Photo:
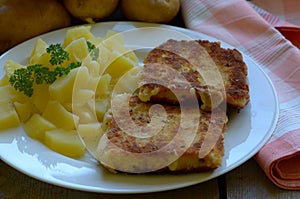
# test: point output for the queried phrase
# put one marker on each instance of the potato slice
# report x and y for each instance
(77, 33)
(62, 89)
(101, 106)
(40, 96)
(8, 115)
(24, 110)
(90, 135)
(103, 87)
(119, 65)
(10, 66)
(114, 41)
(44, 60)
(4, 81)
(59, 116)
(78, 50)
(92, 65)
(128, 83)
(82, 96)
(65, 142)
(8, 92)
(38, 50)
(37, 126)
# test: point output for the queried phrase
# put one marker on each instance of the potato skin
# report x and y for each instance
(155, 11)
(89, 10)
(23, 20)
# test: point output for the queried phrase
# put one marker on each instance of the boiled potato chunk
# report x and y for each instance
(44, 60)
(77, 33)
(92, 65)
(90, 135)
(40, 96)
(103, 87)
(39, 49)
(78, 50)
(8, 92)
(37, 126)
(128, 83)
(101, 106)
(10, 66)
(62, 89)
(59, 116)
(85, 112)
(24, 110)
(4, 81)
(8, 115)
(119, 65)
(114, 41)
(65, 142)
(104, 58)
(131, 55)
(92, 84)
(82, 96)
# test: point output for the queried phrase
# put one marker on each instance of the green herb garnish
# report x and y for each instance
(94, 52)
(24, 78)
(90, 46)
(57, 53)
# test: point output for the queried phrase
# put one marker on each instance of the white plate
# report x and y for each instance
(247, 132)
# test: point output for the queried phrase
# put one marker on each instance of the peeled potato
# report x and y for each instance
(155, 11)
(8, 117)
(90, 10)
(22, 20)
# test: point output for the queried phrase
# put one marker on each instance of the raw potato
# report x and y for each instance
(90, 10)
(155, 11)
(21, 21)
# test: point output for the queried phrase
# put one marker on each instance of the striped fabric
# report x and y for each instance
(252, 31)
(275, 21)
(286, 10)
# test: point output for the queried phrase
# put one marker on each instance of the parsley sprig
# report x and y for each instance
(57, 53)
(23, 79)
(94, 52)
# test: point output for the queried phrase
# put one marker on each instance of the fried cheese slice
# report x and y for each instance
(214, 74)
(189, 140)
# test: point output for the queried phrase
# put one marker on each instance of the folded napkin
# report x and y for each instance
(279, 12)
(253, 32)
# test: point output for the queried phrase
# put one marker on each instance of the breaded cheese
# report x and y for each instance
(190, 140)
(212, 73)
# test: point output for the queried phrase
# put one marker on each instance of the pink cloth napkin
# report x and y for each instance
(252, 31)
(279, 12)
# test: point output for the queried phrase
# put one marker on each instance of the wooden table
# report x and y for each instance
(246, 181)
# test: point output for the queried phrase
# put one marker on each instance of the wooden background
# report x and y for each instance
(246, 181)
